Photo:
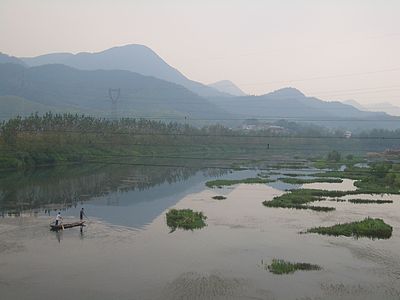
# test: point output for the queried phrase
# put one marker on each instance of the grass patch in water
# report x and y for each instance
(185, 219)
(228, 182)
(366, 201)
(298, 199)
(312, 180)
(293, 174)
(219, 197)
(280, 266)
(380, 178)
(369, 227)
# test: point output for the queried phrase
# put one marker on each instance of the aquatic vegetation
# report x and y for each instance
(380, 178)
(334, 160)
(312, 180)
(280, 266)
(185, 219)
(293, 174)
(228, 182)
(219, 197)
(298, 199)
(293, 166)
(369, 227)
(366, 201)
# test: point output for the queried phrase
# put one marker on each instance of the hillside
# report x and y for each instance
(68, 89)
(135, 58)
(290, 103)
(4, 58)
(227, 86)
(12, 106)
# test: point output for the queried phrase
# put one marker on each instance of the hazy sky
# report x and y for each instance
(333, 49)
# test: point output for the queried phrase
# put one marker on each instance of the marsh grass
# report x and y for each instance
(380, 178)
(280, 267)
(228, 182)
(219, 197)
(366, 201)
(298, 199)
(186, 219)
(312, 180)
(293, 174)
(369, 227)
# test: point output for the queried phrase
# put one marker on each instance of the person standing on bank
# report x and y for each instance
(82, 213)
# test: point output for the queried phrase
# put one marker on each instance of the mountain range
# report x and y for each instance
(63, 88)
(228, 87)
(381, 106)
(147, 86)
(135, 58)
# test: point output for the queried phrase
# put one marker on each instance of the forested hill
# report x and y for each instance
(291, 104)
(135, 58)
(64, 88)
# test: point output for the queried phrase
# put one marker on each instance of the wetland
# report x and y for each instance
(127, 249)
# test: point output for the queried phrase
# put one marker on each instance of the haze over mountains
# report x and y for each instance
(135, 58)
(377, 107)
(227, 86)
(150, 87)
(60, 87)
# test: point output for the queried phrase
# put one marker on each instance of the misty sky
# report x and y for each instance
(333, 49)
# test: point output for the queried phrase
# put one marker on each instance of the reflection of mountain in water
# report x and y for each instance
(67, 186)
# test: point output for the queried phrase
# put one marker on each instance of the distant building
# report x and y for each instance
(254, 124)
(347, 134)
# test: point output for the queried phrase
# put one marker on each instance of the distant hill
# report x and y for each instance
(377, 107)
(67, 89)
(291, 104)
(135, 58)
(12, 106)
(4, 58)
(227, 86)
(355, 104)
(385, 107)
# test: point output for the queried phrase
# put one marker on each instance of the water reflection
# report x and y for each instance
(123, 195)
(67, 186)
(59, 234)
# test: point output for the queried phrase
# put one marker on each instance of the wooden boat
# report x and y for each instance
(66, 225)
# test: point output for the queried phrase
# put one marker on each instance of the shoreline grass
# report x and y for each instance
(229, 182)
(369, 227)
(312, 180)
(367, 201)
(280, 267)
(186, 219)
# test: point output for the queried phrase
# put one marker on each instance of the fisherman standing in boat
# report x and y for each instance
(82, 213)
(58, 219)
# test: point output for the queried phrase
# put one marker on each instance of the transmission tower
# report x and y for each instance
(114, 95)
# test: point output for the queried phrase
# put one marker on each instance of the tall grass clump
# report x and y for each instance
(219, 197)
(366, 201)
(280, 266)
(369, 227)
(186, 219)
(312, 180)
(299, 199)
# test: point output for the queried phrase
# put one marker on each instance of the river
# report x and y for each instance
(126, 251)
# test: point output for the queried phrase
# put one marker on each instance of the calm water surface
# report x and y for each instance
(126, 251)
